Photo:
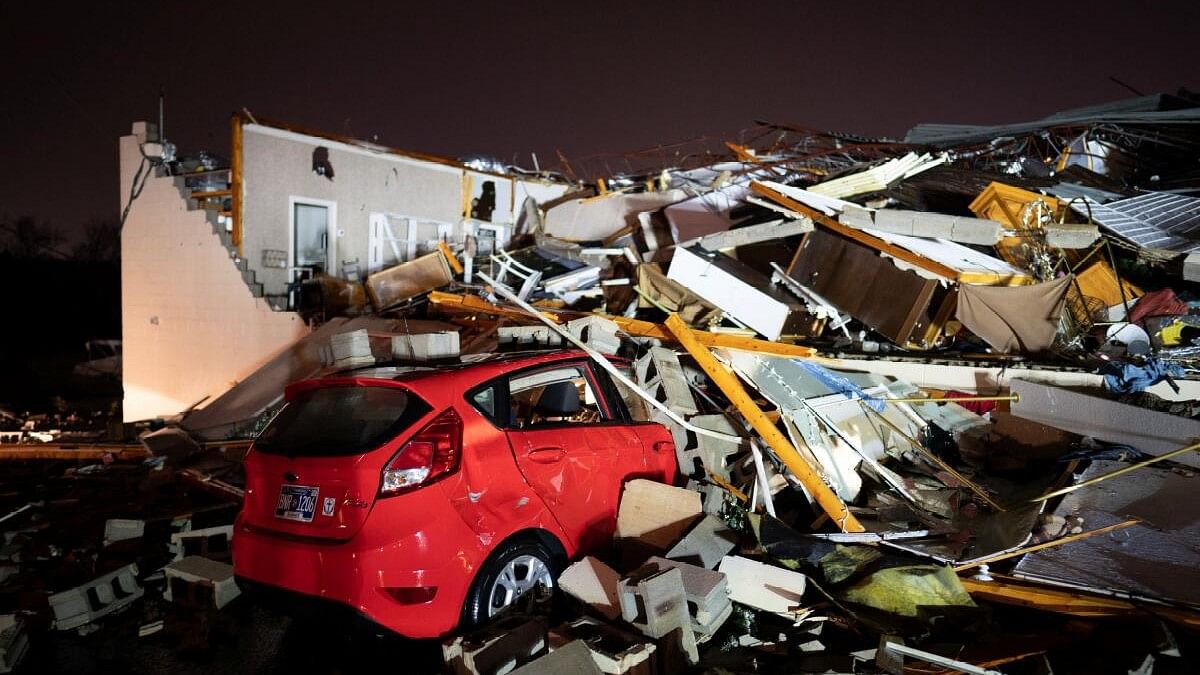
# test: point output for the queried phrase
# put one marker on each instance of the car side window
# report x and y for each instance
(552, 396)
(484, 400)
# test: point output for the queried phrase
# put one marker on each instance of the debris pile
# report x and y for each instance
(899, 376)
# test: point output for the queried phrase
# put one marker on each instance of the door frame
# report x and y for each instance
(331, 265)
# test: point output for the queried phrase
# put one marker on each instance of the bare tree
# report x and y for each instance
(101, 241)
(24, 237)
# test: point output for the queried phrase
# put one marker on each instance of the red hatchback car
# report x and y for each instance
(426, 498)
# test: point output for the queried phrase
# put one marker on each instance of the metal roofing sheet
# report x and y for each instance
(1159, 220)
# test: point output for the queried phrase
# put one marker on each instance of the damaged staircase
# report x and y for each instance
(211, 191)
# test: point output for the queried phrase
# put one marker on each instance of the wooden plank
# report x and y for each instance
(235, 181)
(1048, 599)
(783, 448)
(857, 235)
(55, 451)
(635, 327)
(450, 257)
(211, 194)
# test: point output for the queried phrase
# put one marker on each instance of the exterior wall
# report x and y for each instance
(190, 325)
(278, 167)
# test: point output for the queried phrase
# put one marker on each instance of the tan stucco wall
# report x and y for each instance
(190, 325)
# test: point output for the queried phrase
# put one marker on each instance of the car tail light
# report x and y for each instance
(432, 452)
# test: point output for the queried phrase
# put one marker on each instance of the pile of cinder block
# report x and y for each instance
(200, 583)
(496, 648)
(81, 606)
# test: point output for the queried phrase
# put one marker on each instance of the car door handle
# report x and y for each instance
(664, 446)
(548, 455)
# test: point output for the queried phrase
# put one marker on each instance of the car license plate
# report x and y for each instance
(297, 502)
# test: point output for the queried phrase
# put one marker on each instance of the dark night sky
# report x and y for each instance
(506, 77)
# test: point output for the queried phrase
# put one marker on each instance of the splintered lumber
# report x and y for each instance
(808, 476)
(451, 259)
(1073, 603)
(634, 327)
(857, 235)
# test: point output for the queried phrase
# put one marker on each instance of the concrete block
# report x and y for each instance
(594, 584)
(425, 346)
(655, 514)
(540, 336)
(659, 373)
(573, 657)
(712, 496)
(754, 234)
(210, 542)
(199, 582)
(121, 529)
(1191, 267)
(14, 642)
(653, 601)
(615, 651)
(1071, 235)
(351, 349)
(596, 332)
(496, 648)
(97, 598)
(762, 586)
(705, 544)
(701, 454)
(706, 591)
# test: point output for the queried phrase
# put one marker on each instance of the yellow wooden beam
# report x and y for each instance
(635, 327)
(450, 257)
(808, 476)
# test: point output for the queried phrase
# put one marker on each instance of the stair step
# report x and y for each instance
(256, 289)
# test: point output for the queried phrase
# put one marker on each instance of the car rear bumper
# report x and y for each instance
(384, 578)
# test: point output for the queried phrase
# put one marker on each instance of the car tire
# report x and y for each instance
(516, 568)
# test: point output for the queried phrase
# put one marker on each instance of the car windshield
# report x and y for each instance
(339, 421)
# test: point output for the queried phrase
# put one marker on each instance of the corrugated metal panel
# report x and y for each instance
(1159, 220)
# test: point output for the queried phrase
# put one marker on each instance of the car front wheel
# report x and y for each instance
(517, 570)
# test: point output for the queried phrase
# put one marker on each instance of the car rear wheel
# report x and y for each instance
(519, 570)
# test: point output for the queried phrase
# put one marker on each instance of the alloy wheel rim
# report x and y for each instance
(520, 576)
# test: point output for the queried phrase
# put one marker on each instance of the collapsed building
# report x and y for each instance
(913, 383)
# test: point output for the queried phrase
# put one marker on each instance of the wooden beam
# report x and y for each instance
(729, 384)
(235, 180)
(211, 194)
(857, 235)
(450, 257)
(635, 327)
(1044, 598)
(55, 451)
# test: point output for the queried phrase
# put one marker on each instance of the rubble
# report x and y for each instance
(200, 582)
(914, 387)
(82, 606)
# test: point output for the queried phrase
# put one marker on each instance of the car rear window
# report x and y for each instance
(338, 421)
